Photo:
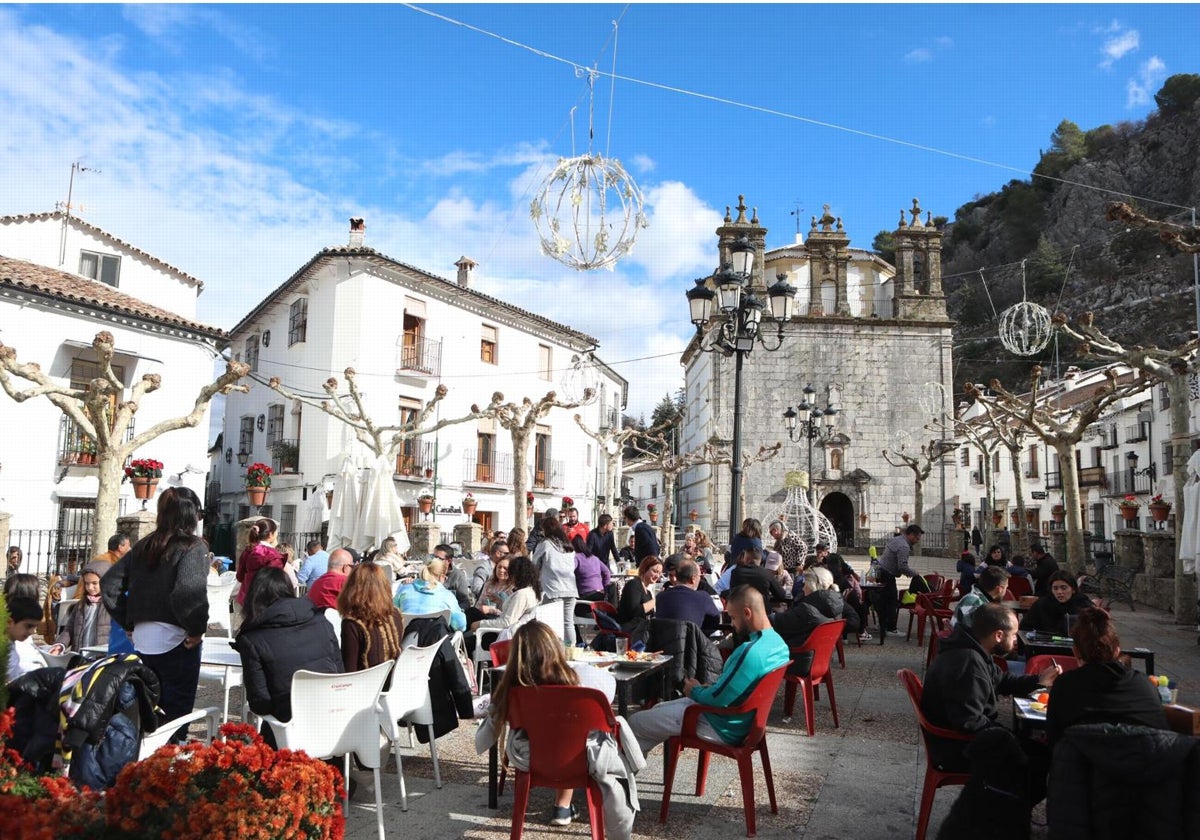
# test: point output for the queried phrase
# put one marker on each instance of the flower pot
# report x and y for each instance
(654, 518)
(1160, 511)
(997, 518)
(257, 496)
(428, 472)
(425, 505)
(1128, 514)
(469, 508)
(144, 488)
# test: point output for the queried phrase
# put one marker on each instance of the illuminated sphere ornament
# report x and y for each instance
(581, 381)
(801, 518)
(588, 212)
(1025, 328)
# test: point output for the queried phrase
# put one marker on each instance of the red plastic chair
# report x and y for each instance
(499, 652)
(934, 639)
(1036, 664)
(1019, 586)
(557, 720)
(759, 702)
(935, 581)
(934, 778)
(610, 611)
(821, 642)
(927, 608)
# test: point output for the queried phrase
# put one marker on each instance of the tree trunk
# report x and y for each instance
(610, 485)
(989, 492)
(1076, 553)
(520, 444)
(1020, 540)
(666, 532)
(110, 469)
(1185, 607)
(918, 498)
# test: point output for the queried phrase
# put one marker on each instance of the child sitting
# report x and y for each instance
(23, 655)
(86, 623)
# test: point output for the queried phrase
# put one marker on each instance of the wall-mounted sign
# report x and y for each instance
(449, 509)
(1039, 494)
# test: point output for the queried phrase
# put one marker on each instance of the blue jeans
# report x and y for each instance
(178, 672)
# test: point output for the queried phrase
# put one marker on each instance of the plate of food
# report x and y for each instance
(596, 657)
(641, 659)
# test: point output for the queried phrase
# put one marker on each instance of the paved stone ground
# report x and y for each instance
(861, 780)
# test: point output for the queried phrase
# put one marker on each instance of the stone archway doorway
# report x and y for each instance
(839, 510)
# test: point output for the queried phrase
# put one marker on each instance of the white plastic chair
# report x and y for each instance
(227, 676)
(151, 741)
(551, 614)
(337, 714)
(405, 618)
(335, 619)
(408, 696)
(412, 675)
(481, 659)
(219, 613)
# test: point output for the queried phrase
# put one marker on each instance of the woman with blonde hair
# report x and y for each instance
(820, 603)
(371, 625)
(289, 564)
(427, 595)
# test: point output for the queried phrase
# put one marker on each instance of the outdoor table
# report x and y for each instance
(1036, 643)
(1026, 721)
(626, 677)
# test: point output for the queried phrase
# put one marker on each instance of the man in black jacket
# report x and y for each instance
(963, 681)
(749, 571)
(645, 543)
(602, 544)
(1044, 566)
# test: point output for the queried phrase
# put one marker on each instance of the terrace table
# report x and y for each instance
(1036, 643)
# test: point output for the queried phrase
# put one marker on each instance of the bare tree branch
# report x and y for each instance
(1184, 238)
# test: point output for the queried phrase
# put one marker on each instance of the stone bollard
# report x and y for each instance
(243, 534)
(136, 525)
(1128, 549)
(1158, 554)
(424, 537)
(470, 536)
(1057, 546)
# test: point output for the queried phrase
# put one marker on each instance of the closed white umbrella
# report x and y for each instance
(344, 515)
(379, 513)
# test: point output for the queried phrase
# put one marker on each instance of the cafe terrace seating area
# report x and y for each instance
(862, 778)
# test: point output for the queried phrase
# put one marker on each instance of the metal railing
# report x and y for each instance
(76, 447)
(1092, 477)
(52, 550)
(285, 455)
(497, 469)
(1135, 433)
(1053, 481)
(419, 354)
(1123, 483)
(555, 477)
(415, 457)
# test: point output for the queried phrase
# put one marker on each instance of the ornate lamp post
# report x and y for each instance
(733, 328)
(804, 423)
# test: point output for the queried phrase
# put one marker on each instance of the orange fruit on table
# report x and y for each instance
(1043, 697)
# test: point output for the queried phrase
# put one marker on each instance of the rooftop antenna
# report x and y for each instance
(66, 208)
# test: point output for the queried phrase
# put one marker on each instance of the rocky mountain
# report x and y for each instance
(1046, 240)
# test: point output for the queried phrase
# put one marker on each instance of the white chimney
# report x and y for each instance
(358, 230)
(1072, 372)
(465, 266)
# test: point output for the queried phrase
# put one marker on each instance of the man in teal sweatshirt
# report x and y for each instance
(763, 652)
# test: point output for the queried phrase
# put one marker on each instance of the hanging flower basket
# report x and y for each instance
(469, 504)
(652, 509)
(144, 488)
(1129, 508)
(257, 496)
(425, 503)
(258, 475)
(1159, 509)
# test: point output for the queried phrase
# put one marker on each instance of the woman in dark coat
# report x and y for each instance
(1103, 689)
(1049, 613)
(821, 603)
(749, 537)
(280, 635)
(637, 601)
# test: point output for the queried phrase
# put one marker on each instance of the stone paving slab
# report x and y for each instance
(861, 780)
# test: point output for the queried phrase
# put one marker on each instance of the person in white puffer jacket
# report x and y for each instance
(555, 561)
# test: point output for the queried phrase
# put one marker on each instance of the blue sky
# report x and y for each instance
(235, 141)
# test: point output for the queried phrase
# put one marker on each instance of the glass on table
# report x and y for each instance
(622, 646)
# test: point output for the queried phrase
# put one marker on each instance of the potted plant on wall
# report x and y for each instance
(693, 514)
(1129, 508)
(143, 474)
(425, 502)
(1059, 512)
(287, 452)
(469, 504)
(528, 503)
(1159, 509)
(258, 482)
(652, 509)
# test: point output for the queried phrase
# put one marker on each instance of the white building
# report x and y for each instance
(405, 332)
(1127, 451)
(61, 282)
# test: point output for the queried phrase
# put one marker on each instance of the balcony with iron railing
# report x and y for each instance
(417, 354)
(495, 469)
(415, 458)
(1135, 433)
(1088, 477)
(552, 478)
(1054, 480)
(77, 448)
(1124, 483)
(285, 456)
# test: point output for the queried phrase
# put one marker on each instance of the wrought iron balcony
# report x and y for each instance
(77, 448)
(415, 457)
(285, 456)
(417, 354)
(496, 469)
(554, 477)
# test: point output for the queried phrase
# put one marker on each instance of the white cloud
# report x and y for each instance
(1141, 88)
(166, 23)
(918, 56)
(680, 240)
(642, 164)
(1118, 46)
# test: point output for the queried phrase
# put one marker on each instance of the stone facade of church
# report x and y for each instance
(873, 340)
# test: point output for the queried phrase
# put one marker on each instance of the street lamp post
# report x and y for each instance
(733, 329)
(804, 423)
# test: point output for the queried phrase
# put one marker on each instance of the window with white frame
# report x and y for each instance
(545, 362)
(103, 267)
